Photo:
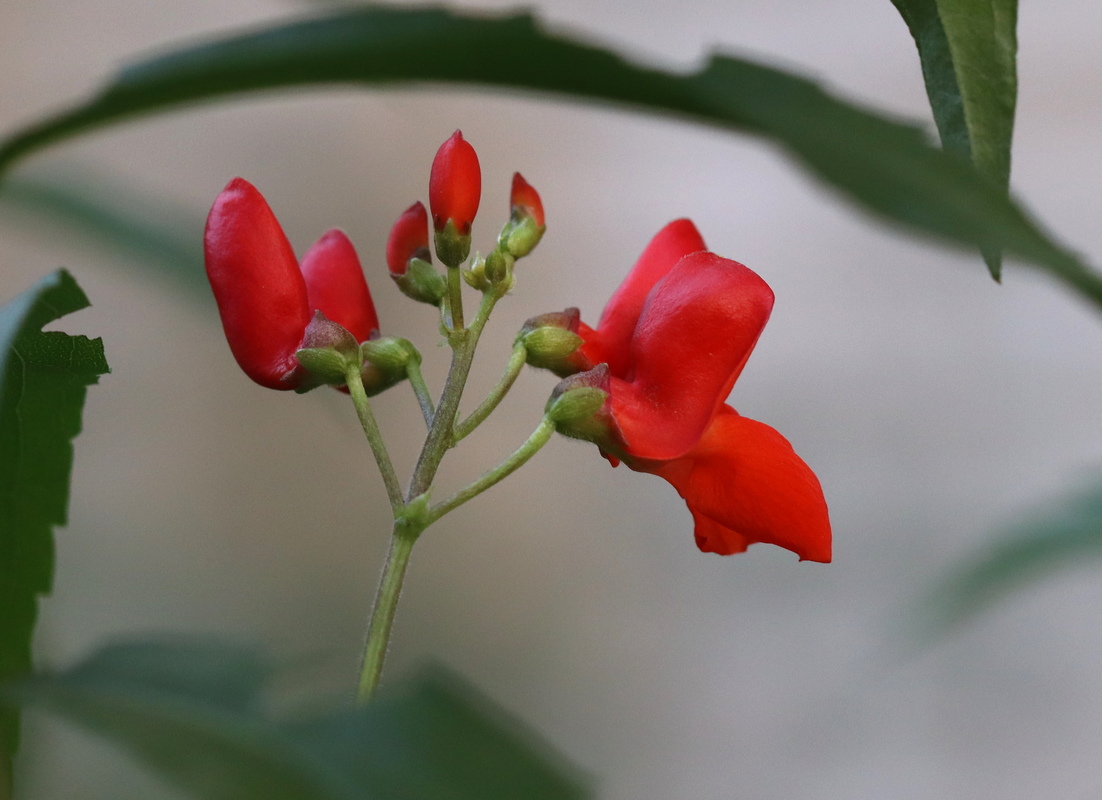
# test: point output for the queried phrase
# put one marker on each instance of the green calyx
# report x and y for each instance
(421, 282)
(386, 362)
(550, 348)
(520, 236)
(452, 247)
(329, 350)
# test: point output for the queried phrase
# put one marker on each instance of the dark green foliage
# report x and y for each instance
(193, 711)
(968, 50)
(43, 378)
(886, 167)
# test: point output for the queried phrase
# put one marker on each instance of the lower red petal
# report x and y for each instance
(744, 484)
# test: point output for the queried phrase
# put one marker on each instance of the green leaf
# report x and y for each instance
(968, 50)
(1064, 535)
(886, 167)
(192, 711)
(43, 378)
(112, 215)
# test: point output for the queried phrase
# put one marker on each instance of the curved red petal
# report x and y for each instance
(336, 286)
(455, 184)
(256, 281)
(744, 484)
(408, 238)
(694, 335)
(612, 342)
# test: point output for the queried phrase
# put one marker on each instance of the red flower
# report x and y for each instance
(675, 337)
(265, 299)
(455, 185)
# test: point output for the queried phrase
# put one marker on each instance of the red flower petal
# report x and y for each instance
(744, 484)
(260, 292)
(611, 343)
(693, 337)
(336, 285)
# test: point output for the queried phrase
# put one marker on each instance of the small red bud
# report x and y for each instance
(525, 200)
(409, 238)
(455, 185)
(335, 284)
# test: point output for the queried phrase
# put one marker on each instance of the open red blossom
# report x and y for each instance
(455, 185)
(675, 336)
(265, 299)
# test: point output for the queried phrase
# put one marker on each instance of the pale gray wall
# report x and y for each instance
(933, 404)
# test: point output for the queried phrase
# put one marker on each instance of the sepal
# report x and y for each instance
(578, 407)
(551, 341)
(328, 352)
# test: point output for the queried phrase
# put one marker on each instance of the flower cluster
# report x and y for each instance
(666, 352)
(648, 384)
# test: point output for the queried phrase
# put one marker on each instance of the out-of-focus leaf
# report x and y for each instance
(968, 50)
(1065, 535)
(885, 166)
(43, 379)
(193, 713)
(150, 230)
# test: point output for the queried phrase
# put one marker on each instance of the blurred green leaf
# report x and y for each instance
(1062, 536)
(192, 711)
(968, 50)
(111, 215)
(43, 379)
(885, 166)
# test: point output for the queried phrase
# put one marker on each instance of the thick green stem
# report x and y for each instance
(386, 604)
(374, 437)
(439, 438)
(506, 468)
(478, 416)
(424, 399)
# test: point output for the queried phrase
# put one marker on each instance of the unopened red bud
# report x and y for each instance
(455, 185)
(335, 283)
(526, 201)
(256, 280)
(409, 239)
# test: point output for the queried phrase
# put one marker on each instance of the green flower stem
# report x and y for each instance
(374, 437)
(463, 343)
(424, 399)
(455, 298)
(538, 439)
(386, 604)
(478, 416)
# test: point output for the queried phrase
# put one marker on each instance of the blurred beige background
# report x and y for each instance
(934, 405)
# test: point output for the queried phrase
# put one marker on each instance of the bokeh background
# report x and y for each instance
(935, 405)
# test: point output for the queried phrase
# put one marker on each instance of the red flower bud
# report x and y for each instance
(525, 201)
(335, 285)
(409, 238)
(256, 281)
(455, 185)
(264, 299)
